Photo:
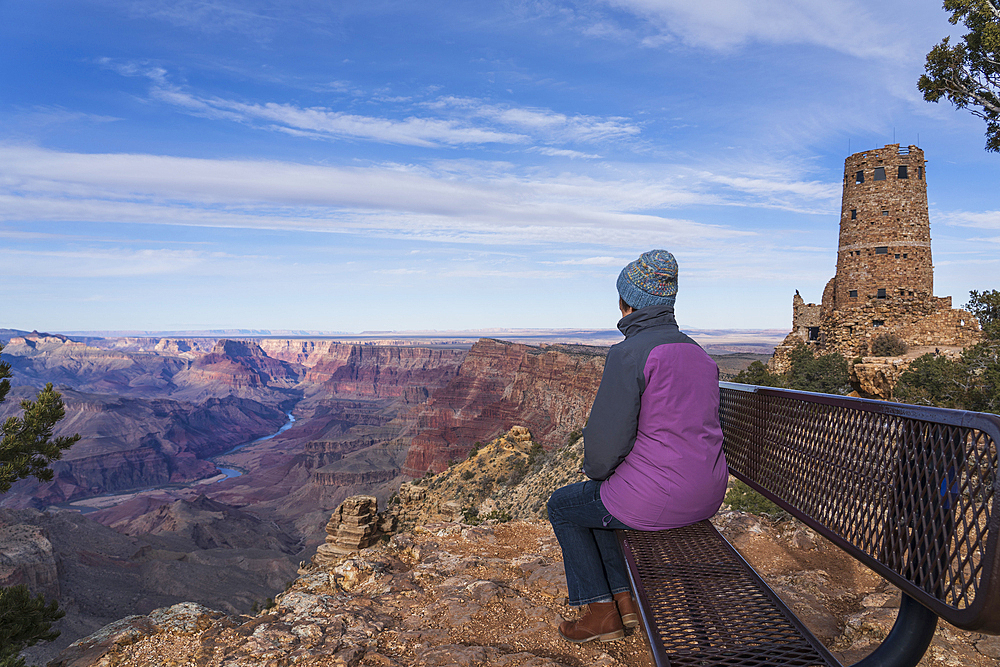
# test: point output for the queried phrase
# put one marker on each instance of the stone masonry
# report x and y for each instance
(884, 280)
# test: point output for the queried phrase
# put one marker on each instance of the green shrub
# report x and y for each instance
(468, 474)
(575, 435)
(742, 498)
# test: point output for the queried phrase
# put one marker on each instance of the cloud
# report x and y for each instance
(723, 25)
(979, 220)
(460, 121)
(109, 263)
(502, 209)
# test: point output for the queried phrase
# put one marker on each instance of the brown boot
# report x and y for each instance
(601, 622)
(627, 608)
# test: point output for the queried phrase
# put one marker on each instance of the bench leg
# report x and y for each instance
(909, 638)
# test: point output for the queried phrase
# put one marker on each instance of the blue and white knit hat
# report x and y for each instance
(650, 280)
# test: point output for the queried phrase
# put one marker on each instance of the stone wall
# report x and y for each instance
(884, 282)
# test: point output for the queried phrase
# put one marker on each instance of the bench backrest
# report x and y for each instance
(910, 491)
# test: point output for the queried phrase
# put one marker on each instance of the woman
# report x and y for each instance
(652, 450)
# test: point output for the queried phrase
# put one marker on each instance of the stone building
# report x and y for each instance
(884, 280)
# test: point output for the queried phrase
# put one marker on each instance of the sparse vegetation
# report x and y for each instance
(574, 435)
(467, 475)
(742, 498)
(888, 345)
(971, 382)
(826, 374)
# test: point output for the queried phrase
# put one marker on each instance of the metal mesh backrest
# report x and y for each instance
(910, 491)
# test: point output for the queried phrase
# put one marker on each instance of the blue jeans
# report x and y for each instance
(595, 567)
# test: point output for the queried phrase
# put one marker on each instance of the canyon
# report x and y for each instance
(202, 455)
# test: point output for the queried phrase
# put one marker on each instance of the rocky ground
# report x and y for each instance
(493, 594)
(462, 585)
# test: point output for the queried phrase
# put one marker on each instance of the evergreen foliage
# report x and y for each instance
(826, 374)
(986, 307)
(971, 382)
(26, 450)
(968, 73)
(24, 621)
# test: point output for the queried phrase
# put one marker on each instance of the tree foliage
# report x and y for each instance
(26, 450)
(826, 374)
(968, 72)
(24, 621)
(986, 307)
(971, 382)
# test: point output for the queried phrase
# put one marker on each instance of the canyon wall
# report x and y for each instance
(549, 390)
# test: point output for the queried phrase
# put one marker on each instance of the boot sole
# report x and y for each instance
(606, 637)
(630, 620)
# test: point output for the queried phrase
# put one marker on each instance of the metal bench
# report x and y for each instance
(911, 492)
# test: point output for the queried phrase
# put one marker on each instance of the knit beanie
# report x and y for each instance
(650, 280)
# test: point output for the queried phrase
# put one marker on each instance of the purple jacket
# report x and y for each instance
(653, 434)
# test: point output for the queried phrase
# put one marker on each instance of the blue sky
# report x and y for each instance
(335, 166)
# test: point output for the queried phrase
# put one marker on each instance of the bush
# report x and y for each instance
(742, 498)
(826, 374)
(574, 435)
(468, 474)
(757, 374)
(888, 345)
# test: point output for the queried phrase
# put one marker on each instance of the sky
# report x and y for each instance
(370, 166)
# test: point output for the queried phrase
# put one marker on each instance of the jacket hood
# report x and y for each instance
(650, 316)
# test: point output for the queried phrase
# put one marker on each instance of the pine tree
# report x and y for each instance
(26, 450)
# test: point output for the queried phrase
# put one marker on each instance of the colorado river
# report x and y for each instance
(230, 472)
(112, 499)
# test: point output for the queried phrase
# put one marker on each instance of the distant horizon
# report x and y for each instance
(741, 340)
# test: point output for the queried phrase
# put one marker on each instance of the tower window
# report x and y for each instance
(854, 214)
(911, 293)
(879, 173)
(880, 294)
(859, 177)
(904, 255)
(813, 333)
(920, 173)
(885, 213)
(853, 294)
(902, 172)
(881, 250)
(878, 323)
(902, 292)
(897, 256)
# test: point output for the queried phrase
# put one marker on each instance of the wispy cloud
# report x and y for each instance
(976, 219)
(460, 121)
(845, 26)
(107, 263)
(49, 185)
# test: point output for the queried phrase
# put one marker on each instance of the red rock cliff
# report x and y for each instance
(499, 385)
(382, 371)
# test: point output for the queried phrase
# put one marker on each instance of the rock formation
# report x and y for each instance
(354, 525)
(549, 390)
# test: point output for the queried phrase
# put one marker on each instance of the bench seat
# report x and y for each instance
(707, 606)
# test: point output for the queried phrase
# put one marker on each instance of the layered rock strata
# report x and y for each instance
(549, 390)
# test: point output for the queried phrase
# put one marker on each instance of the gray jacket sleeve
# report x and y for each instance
(611, 428)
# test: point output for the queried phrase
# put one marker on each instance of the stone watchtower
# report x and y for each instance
(884, 281)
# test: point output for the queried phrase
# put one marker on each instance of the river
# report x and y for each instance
(111, 499)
